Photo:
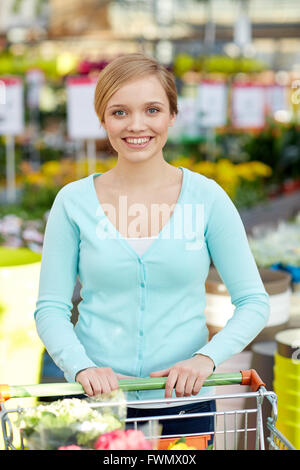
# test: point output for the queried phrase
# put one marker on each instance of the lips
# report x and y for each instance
(135, 144)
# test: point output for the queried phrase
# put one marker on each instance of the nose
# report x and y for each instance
(136, 123)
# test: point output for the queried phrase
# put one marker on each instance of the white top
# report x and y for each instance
(141, 244)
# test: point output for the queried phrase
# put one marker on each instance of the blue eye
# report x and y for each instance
(155, 109)
(120, 111)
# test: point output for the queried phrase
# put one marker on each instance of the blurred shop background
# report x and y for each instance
(237, 70)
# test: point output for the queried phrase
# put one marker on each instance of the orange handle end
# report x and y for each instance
(4, 393)
(250, 377)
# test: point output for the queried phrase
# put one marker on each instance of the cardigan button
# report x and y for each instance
(142, 284)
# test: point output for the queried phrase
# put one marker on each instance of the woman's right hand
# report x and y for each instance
(96, 380)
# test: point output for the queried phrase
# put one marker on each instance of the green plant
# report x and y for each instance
(38, 198)
(250, 193)
(289, 152)
(264, 147)
(221, 64)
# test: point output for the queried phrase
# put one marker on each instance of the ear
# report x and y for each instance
(172, 119)
(103, 125)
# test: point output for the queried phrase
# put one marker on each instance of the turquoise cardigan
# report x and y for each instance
(141, 314)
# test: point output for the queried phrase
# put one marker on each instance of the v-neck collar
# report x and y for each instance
(123, 239)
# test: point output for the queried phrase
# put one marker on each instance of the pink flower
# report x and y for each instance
(71, 447)
(137, 440)
(111, 441)
(122, 440)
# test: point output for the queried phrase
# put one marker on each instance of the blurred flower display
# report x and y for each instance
(17, 232)
(39, 187)
(26, 224)
(228, 175)
(55, 174)
(278, 247)
(221, 64)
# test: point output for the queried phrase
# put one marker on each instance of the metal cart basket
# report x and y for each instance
(234, 429)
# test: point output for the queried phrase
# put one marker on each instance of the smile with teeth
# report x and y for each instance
(137, 140)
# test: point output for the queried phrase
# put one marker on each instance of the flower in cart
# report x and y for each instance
(66, 422)
(71, 447)
(180, 445)
(123, 440)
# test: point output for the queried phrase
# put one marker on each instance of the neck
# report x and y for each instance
(149, 174)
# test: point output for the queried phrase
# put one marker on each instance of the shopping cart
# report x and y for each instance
(233, 429)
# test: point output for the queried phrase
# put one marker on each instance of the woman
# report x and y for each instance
(141, 238)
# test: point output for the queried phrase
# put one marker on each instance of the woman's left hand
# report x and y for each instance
(186, 376)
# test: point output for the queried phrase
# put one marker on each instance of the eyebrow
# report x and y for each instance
(125, 106)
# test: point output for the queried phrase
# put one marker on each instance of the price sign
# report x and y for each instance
(11, 106)
(248, 106)
(212, 103)
(276, 98)
(82, 120)
(35, 79)
(187, 119)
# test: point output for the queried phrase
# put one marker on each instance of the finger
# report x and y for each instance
(160, 373)
(105, 387)
(94, 379)
(189, 386)
(197, 386)
(180, 384)
(170, 383)
(86, 386)
(95, 384)
(113, 381)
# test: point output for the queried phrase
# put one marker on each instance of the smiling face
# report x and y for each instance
(137, 118)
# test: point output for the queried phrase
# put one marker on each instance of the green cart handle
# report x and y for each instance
(244, 377)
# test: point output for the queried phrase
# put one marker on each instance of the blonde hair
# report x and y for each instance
(128, 67)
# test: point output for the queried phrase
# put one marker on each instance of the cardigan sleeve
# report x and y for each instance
(56, 286)
(230, 252)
